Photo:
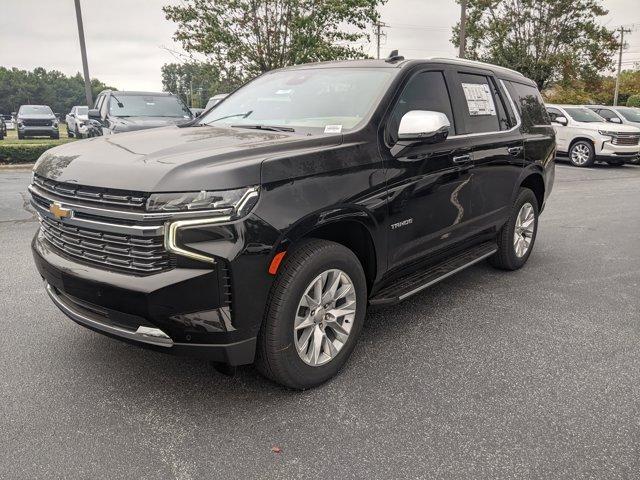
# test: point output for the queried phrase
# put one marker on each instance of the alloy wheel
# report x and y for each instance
(524, 228)
(324, 317)
(580, 154)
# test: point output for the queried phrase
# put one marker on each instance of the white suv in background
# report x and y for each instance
(624, 115)
(585, 137)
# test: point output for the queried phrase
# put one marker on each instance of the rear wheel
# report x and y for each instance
(69, 132)
(517, 236)
(20, 136)
(314, 315)
(582, 154)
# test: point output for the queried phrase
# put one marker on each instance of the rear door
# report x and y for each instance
(490, 127)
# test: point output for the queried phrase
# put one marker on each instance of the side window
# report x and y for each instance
(425, 91)
(554, 113)
(530, 103)
(484, 109)
(606, 113)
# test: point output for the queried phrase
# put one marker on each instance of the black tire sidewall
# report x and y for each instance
(592, 154)
(525, 196)
(296, 372)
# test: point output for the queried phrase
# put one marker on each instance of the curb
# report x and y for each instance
(17, 166)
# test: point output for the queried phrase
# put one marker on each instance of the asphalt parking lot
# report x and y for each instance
(530, 374)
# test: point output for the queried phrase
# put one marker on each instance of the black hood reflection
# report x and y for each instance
(173, 158)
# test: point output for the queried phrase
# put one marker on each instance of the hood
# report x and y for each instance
(130, 124)
(611, 127)
(36, 116)
(174, 159)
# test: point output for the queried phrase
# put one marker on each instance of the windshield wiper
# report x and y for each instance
(272, 128)
(243, 115)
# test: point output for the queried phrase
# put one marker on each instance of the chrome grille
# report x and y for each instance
(626, 139)
(91, 195)
(141, 254)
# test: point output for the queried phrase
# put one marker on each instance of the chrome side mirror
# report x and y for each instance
(561, 120)
(424, 125)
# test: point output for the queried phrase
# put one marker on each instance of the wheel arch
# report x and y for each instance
(583, 138)
(535, 182)
(353, 230)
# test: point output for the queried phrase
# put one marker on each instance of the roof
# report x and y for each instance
(383, 63)
(124, 93)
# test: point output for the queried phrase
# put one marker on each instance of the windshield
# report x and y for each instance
(584, 115)
(147, 106)
(630, 113)
(332, 99)
(83, 110)
(35, 110)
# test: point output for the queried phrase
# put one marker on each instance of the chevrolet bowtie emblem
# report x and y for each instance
(59, 211)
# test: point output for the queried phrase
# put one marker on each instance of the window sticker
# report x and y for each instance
(479, 99)
(333, 129)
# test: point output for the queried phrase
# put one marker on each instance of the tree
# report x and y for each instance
(42, 87)
(633, 101)
(546, 40)
(196, 82)
(255, 36)
(598, 90)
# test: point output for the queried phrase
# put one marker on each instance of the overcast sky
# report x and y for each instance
(127, 40)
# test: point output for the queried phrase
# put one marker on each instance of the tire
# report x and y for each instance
(20, 136)
(55, 136)
(277, 354)
(70, 134)
(507, 257)
(582, 154)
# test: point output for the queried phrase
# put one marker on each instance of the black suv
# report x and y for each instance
(265, 229)
(36, 121)
(117, 112)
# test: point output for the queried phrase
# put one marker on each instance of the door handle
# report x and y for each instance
(462, 159)
(514, 150)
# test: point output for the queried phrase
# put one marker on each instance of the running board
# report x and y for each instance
(418, 281)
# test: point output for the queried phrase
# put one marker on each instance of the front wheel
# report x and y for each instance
(517, 236)
(582, 154)
(314, 315)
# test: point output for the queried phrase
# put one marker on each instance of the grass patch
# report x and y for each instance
(13, 150)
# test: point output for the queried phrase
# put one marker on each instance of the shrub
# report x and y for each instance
(633, 101)
(23, 153)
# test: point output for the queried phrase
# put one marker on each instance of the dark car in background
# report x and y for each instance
(3, 128)
(36, 121)
(263, 230)
(119, 112)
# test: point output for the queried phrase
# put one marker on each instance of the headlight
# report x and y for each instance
(235, 203)
(55, 124)
(607, 133)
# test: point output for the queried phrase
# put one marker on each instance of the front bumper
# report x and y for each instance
(37, 130)
(177, 311)
(609, 151)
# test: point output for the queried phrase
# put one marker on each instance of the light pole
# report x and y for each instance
(615, 95)
(83, 52)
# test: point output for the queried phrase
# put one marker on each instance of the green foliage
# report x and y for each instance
(196, 82)
(23, 152)
(42, 87)
(599, 90)
(546, 40)
(244, 38)
(633, 101)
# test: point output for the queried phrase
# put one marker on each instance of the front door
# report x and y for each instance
(428, 184)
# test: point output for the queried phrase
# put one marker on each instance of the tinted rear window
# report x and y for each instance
(529, 101)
